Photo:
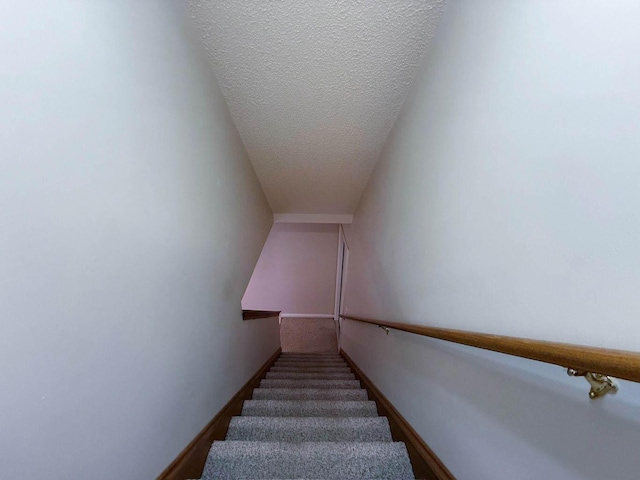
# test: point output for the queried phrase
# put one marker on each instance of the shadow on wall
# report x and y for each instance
(308, 335)
(534, 402)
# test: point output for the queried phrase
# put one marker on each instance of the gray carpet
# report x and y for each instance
(287, 368)
(284, 383)
(309, 408)
(311, 376)
(311, 429)
(309, 394)
(308, 419)
(310, 365)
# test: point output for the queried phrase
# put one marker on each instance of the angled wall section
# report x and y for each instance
(296, 272)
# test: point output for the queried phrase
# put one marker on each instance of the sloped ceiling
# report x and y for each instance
(314, 87)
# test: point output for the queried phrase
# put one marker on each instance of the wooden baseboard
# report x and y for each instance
(426, 464)
(190, 462)
(255, 314)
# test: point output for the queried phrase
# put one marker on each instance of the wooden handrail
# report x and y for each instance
(617, 363)
(255, 314)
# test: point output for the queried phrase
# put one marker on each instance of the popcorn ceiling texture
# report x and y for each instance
(315, 87)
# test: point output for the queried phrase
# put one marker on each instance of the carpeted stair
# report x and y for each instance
(309, 419)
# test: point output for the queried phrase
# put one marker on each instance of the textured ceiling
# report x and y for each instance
(314, 87)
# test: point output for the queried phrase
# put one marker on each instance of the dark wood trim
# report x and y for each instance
(426, 464)
(190, 462)
(255, 314)
(617, 363)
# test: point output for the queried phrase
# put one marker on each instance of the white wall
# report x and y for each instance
(296, 272)
(506, 201)
(130, 222)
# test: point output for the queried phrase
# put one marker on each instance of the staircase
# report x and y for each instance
(308, 419)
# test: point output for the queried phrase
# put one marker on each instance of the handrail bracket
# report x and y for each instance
(386, 329)
(600, 384)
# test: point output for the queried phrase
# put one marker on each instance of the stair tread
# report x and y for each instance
(306, 383)
(310, 354)
(310, 365)
(312, 375)
(305, 356)
(310, 359)
(309, 394)
(337, 460)
(302, 354)
(300, 369)
(310, 429)
(309, 408)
